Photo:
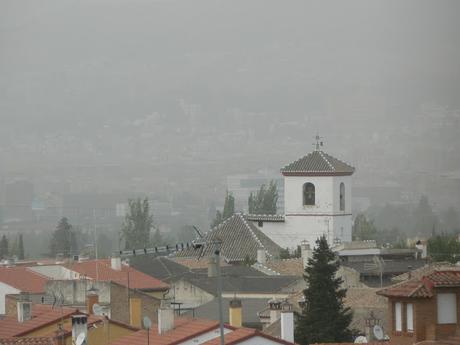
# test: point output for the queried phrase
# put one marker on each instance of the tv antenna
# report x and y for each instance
(81, 339)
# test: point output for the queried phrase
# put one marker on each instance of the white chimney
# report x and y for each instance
(261, 256)
(115, 263)
(421, 246)
(165, 319)
(305, 252)
(80, 328)
(24, 311)
(287, 323)
(212, 267)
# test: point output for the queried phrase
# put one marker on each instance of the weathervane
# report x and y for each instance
(319, 143)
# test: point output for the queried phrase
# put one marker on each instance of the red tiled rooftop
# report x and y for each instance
(104, 272)
(423, 287)
(241, 334)
(27, 341)
(42, 315)
(23, 279)
(184, 329)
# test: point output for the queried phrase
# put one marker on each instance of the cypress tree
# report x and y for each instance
(323, 318)
(21, 248)
(4, 247)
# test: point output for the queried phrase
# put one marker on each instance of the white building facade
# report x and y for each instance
(317, 202)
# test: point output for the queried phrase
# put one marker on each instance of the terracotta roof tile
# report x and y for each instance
(104, 272)
(23, 279)
(317, 162)
(240, 239)
(422, 287)
(27, 341)
(184, 329)
(41, 315)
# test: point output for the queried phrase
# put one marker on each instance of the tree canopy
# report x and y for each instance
(227, 212)
(264, 200)
(323, 318)
(137, 224)
(4, 249)
(444, 248)
(63, 240)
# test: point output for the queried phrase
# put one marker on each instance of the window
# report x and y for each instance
(398, 317)
(447, 308)
(410, 317)
(260, 224)
(342, 196)
(309, 194)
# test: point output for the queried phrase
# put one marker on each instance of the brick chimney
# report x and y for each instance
(275, 309)
(92, 298)
(235, 316)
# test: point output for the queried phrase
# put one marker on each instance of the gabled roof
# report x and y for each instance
(317, 163)
(240, 239)
(104, 272)
(42, 315)
(23, 279)
(184, 329)
(423, 288)
(159, 267)
(240, 335)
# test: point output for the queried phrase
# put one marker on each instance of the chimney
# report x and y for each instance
(135, 312)
(422, 247)
(261, 256)
(235, 316)
(115, 263)
(79, 326)
(92, 298)
(165, 319)
(306, 253)
(287, 322)
(24, 311)
(212, 267)
(275, 309)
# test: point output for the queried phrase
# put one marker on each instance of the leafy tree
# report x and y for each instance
(364, 229)
(248, 261)
(4, 249)
(323, 318)
(157, 238)
(227, 212)
(264, 200)
(63, 239)
(21, 248)
(444, 248)
(137, 224)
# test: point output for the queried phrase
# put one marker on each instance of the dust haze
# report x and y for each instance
(102, 101)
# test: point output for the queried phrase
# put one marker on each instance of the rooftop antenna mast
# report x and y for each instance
(319, 143)
(216, 245)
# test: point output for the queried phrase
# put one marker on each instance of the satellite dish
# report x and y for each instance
(81, 339)
(361, 340)
(97, 309)
(146, 322)
(378, 332)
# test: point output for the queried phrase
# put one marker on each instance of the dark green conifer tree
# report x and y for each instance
(324, 318)
(21, 248)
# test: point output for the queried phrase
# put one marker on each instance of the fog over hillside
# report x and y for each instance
(167, 98)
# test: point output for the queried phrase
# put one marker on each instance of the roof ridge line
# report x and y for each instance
(299, 159)
(323, 155)
(252, 232)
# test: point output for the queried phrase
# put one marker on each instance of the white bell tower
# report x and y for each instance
(317, 192)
